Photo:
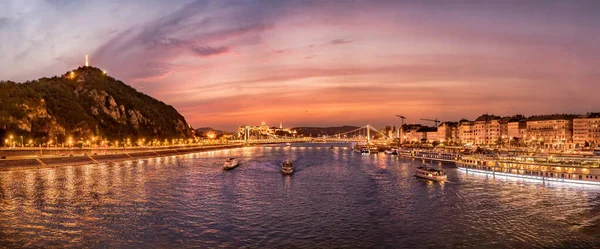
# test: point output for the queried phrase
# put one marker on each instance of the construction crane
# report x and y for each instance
(436, 121)
(401, 133)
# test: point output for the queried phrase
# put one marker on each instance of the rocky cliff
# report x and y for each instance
(85, 103)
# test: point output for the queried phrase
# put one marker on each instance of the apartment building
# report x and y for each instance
(465, 132)
(551, 131)
(586, 128)
(448, 132)
(486, 129)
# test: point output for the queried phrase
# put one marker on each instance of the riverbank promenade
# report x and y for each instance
(23, 158)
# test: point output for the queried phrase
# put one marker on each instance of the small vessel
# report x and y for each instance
(230, 163)
(288, 144)
(597, 151)
(362, 149)
(331, 148)
(438, 175)
(391, 151)
(287, 168)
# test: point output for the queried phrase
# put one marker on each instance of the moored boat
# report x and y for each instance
(425, 172)
(288, 144)
(230, 163)
(287, 168)
(597, 151)
(363, 149)
(373, 150)
(530, 169)
(391, 151)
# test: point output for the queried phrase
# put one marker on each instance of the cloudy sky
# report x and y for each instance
(228, 63)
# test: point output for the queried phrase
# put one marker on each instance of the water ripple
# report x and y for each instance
(336, 198)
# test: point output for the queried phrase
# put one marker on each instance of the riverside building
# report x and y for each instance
(551, 131)
(486, 129)
(586, 129)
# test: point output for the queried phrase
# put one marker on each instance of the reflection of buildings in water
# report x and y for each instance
(381, 160)
(69, 172)
(29, 184)
(50, 182)
(103, 178)
(88, 171)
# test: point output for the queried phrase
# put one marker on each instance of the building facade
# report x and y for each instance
(447, 132)
(551, 131)
(586, 129)
(431, 135)
(486, 130)
(513, 130)
(410, 133)
(465, 132)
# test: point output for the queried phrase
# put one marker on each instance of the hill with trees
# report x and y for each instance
(82, 104)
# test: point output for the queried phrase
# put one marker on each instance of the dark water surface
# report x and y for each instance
(336, 198)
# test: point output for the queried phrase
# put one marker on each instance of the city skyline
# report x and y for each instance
(225, 64)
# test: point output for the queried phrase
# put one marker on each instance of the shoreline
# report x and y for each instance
(53, 162)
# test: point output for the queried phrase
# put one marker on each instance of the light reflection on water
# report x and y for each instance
(336, 198)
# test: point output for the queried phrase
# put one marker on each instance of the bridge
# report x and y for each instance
(366, 134)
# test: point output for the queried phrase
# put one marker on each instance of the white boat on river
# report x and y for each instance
(438, 175)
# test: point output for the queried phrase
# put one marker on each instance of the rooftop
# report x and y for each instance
(427, 129)
(552, 117)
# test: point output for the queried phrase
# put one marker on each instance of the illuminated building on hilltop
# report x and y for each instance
(263, 131)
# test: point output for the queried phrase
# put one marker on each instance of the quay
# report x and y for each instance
(74, 157)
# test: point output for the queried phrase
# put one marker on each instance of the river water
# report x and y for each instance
(336, 198)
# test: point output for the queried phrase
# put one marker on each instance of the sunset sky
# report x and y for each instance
(320, 63)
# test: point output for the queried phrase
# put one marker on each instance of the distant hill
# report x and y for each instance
(84, 103)
(205, 130)
(320, 131)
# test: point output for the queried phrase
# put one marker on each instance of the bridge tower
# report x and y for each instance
(368, 134)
